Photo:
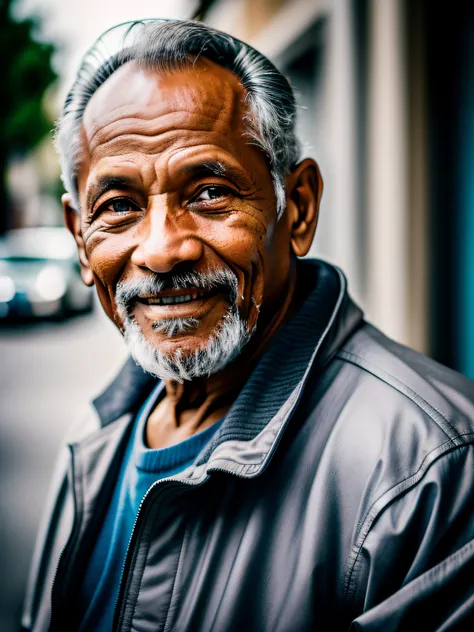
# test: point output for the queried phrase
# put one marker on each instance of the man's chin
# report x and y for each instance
(183, 344)
(187, 355)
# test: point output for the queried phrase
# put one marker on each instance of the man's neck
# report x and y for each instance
(193, 406)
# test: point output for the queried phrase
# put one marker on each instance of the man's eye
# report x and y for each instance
(212, 193)
(120, 205)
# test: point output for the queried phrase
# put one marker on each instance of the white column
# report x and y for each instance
(387, 176)
(342, 185)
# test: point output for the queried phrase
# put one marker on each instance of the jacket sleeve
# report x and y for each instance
(414, 568)
(441, 599)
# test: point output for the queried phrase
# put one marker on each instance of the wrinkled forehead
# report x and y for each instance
(199, 94)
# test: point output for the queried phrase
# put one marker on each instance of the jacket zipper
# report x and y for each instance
(118, 611)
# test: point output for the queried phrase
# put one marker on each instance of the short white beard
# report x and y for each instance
(173, 326)
(219, 350)
(223, 346)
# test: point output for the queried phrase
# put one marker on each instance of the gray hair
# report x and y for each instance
(168, 45)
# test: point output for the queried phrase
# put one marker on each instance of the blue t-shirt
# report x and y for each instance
(141, 468)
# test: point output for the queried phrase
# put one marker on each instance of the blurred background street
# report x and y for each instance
(385, 92)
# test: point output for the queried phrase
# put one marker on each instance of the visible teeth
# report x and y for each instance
(173, 300)
(170, 300)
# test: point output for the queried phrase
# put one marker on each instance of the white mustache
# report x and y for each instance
(128, 292)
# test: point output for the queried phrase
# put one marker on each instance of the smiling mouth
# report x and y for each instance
(171, 297)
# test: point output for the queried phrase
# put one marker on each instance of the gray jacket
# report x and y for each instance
(338, 492)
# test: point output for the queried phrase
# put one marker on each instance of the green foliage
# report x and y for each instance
(26, 74)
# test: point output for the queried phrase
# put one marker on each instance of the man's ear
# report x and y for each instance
(73, 223)
(304, 188)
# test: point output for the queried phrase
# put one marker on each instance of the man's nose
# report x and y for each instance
(166, 239)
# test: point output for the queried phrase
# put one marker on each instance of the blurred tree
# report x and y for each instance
(27, 73)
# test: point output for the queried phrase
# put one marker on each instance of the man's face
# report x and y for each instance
(169, 184)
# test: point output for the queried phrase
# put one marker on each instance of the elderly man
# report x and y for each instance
(266, 460)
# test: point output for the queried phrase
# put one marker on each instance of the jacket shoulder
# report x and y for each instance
(396, 419)
(443, 395)
(411, 422)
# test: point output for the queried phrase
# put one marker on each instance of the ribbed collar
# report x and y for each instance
(165, 459)
(325, 320)
(162, 460)
(312, 336)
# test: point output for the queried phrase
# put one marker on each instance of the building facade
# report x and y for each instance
(385, 91)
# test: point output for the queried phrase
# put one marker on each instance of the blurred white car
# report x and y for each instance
(40, 274)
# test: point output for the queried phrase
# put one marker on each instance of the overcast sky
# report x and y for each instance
(74, 24)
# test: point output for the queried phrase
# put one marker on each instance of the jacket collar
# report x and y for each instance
(253, 426)
(125, 394)
(310, 338)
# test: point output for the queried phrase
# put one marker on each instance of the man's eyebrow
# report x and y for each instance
(108, 183)
(216, 168)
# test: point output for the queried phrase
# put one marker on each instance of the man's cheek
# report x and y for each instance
(249, 255)
(105, 298)
(241, 240)
(107, 254)
(107, 260)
